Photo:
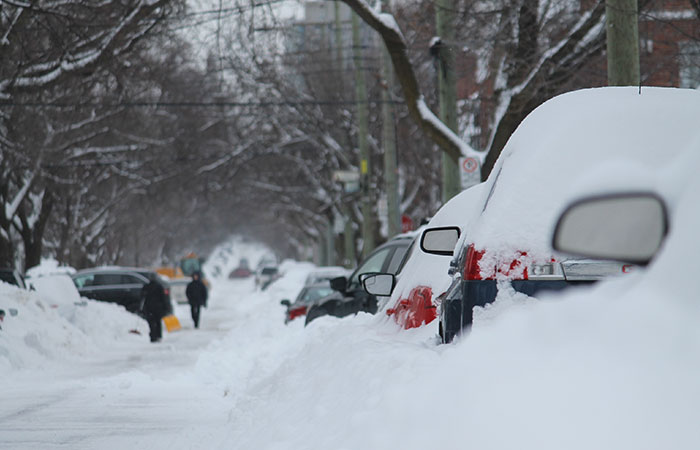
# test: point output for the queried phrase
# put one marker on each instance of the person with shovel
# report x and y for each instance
(196, 293)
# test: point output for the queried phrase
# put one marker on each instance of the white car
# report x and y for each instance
(611, 138)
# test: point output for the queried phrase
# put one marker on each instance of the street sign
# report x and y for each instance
(346, 176)
(470, 171)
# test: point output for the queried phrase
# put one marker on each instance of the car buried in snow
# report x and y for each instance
(416, 290)
(349, 296)
(571, 141)
(307, 296)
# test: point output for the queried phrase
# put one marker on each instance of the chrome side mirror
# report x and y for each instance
(440, 241)
(626, 227)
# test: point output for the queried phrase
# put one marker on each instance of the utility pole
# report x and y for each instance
(362, 118)
(391, 181)
(447, 89)
(621, 25)
(330, 243)
(349, 231)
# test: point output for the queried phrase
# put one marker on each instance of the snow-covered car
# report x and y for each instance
(416, 289)
(326, 273)
(114, 284)
(242, 271)
(308, 294)
(266, 275)
(573, 140)
(350, 297)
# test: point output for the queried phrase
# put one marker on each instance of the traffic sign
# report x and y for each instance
(470, 171)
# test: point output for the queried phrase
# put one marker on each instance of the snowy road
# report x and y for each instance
(138, 394)
(576, 372)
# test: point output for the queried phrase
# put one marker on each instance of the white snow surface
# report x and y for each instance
(605, 367)
(609, 367)
(592, 139)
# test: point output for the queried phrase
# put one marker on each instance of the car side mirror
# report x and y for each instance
(381, 284)
(440, 241)
(626, 227)
(339, 284)
(285, 302)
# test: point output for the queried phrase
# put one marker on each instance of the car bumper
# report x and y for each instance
(456, 311)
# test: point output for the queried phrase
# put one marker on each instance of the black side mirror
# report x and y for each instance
(339, 284)
(286, 303)
(626, 227)
(440, 240)
(381, 284)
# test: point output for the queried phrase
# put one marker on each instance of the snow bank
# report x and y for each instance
(571, 140)
(54, 325)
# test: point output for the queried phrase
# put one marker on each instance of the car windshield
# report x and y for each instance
(313, 293)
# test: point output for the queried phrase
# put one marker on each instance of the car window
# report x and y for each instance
(373, 264)
(316, 293)
(130, 279)
(84, 281)
(104, 279)
(397, 259)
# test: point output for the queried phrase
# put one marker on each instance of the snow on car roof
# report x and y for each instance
(570, 140)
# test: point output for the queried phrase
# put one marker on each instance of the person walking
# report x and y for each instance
(196, 293)
(155, 307)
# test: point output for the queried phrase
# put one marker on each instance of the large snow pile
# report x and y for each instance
(54, 325)
(605, 137)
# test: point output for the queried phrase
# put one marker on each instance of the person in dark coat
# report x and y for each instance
(155, 307)
(196, 293)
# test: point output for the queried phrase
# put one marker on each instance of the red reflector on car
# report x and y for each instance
(297, 312)
(472, 271)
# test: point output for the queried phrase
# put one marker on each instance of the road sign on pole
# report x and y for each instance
(470, 171)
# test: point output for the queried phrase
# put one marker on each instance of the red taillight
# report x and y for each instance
(515, 270)
(297, 312)
(472, 271)
(167, 291)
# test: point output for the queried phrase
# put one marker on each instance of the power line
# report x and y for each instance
(263, 104)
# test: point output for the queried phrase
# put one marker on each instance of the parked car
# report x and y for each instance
(422, 281)
(570, 141)
(326, 273)
(266, 275)
(350, 297)
(308, 294)
(242, 271)
(12, 276)
(120, 285)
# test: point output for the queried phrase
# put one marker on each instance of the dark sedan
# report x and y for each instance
(120, 285)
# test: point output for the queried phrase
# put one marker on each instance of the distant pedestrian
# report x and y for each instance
(196, 293)
(155, 307)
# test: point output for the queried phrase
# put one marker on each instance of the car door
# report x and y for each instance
(106, 287)
(384, 259)
(131, 286)
(87, 286)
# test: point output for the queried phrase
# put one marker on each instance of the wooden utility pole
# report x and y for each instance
(622, 42)
(391, 181)
(447, 90)
(349, 231)
(362, 126)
